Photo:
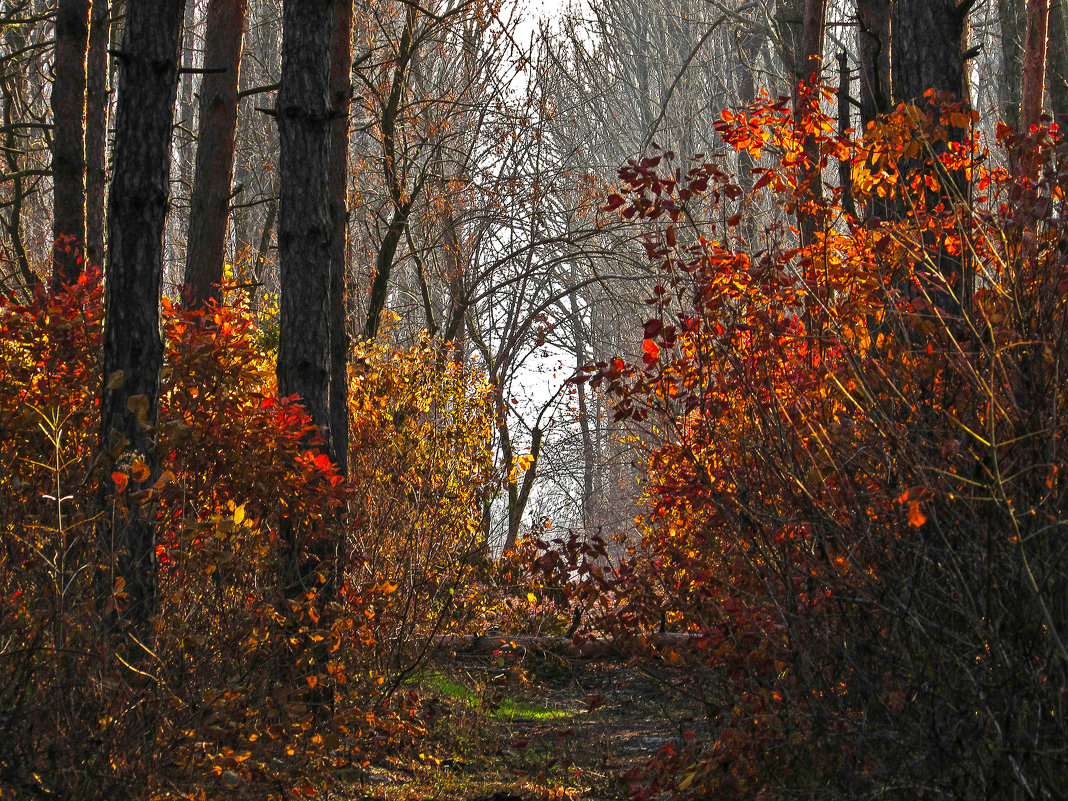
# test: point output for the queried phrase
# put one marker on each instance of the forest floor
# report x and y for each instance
(544, 728)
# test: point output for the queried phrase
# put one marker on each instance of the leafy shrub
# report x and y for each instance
(857, 508)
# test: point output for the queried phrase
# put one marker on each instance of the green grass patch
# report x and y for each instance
(505, 709)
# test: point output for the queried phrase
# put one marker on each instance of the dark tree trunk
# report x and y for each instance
(1011, 17)
(306, 228)
(133, 350)
(873, 39)
(1033, 84)
(1057, 68)
(927, 51)
(808, 67)
(210, 205)
(97, 106)
(341, 98)
(68, 140)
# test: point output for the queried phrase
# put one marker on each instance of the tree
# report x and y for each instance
(341, 101)
(210, 206)
(97, 107)
(927, 47)
(68, 140)
(133, 350)
(1033, 81)
(306, 227)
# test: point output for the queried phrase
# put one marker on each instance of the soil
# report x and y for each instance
(543, 728)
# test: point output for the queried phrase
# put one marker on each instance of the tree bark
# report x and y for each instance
(97, 107)
(1011, 17)
(137, 209)
(927, 53)
(305, 227)
(68, 140)
(1057, 68)
(808, 68)
(210, 206)
(1033, 83)
(873, 40)
(341, 98)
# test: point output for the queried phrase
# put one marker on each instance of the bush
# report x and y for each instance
(857, 506)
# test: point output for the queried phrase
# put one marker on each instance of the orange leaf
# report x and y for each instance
(139, 471)
(322, 461)
(120, 480)
(916, 517)
(650, 351)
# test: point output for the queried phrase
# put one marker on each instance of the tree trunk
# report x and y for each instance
(1057, 68)
(1033, 82)
(1011, 17)
(305, 227)
(808, 67)
(927, 48)
(210, 206)
(68, 140)
(97, 106)
(133, 350)
(341, 98)
(873, 40)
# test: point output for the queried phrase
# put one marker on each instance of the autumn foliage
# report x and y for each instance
(244, 684)
(856, 505)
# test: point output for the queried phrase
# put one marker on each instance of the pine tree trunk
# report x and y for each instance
(1057, 70)
(137, 210)
(209, 208)
(873, 40)
(1011, 17)
(927, 48)
(306, 227)
(341, 97)
(97, 106)
(1034, 63)
(68, 140)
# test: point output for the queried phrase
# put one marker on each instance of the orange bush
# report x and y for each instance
(857, 508)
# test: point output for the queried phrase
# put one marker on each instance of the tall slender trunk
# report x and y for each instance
(1033, 83)
(808, 66)
(873, 40)
(1012, 20)
(341, 100)
(305, 226)
(97, 106)
(68, 140)
(210, 205)
(137, 209)
(1057, 68)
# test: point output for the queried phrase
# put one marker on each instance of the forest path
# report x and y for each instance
(549, 728)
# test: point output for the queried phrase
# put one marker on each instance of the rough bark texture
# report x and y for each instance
(873, 42)
(927, 48)
(68, 139)
(1034, 63)
(97, 104)
(209, 209)
(1057, 57)
(133, 349)
(341, 98)
(305, 228)
(1012, 20)
(809, 65)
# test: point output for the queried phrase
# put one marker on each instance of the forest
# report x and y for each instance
(488, 401)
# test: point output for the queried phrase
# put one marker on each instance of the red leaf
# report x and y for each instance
(650, 351)
(322, 461)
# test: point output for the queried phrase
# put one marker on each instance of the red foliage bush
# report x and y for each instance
(856, 508)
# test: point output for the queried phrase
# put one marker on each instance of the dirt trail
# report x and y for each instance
(551, 729)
